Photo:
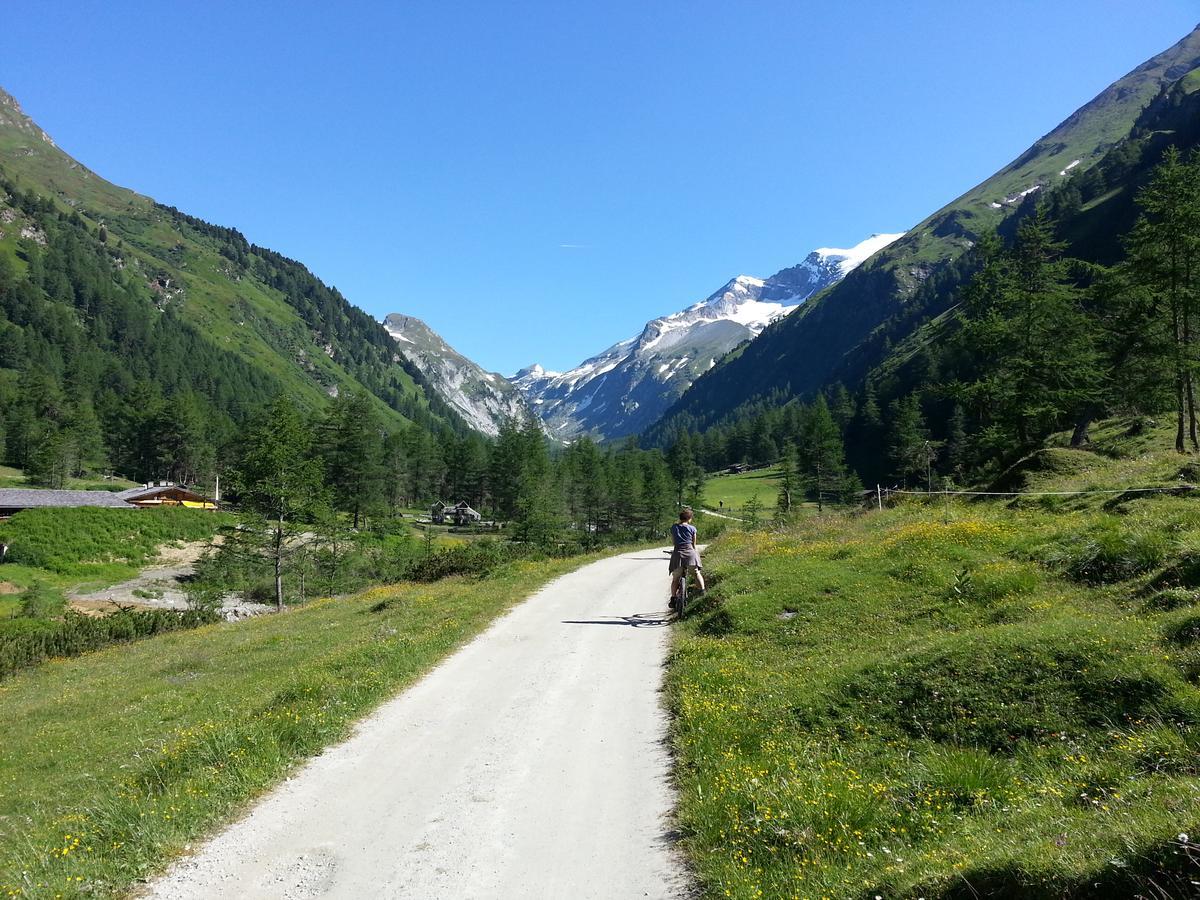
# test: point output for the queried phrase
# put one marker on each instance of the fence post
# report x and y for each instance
(879, 497)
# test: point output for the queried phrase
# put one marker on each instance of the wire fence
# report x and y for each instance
(882, 493)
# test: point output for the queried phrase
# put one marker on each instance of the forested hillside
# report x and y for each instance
(137, 339)
(1080, 303)
(844, 333)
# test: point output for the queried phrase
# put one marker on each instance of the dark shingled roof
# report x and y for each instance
(27, 498)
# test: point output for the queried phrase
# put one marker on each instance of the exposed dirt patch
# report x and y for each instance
(160, 586)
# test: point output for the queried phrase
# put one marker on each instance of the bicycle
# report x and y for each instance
(682, 598)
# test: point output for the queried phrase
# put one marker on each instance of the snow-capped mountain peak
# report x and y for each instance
(628, 386)
(847, 260)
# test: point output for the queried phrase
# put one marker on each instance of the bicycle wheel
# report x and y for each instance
(683, 594)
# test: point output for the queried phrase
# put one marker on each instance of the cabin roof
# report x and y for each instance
(29, 498)
(150, 490)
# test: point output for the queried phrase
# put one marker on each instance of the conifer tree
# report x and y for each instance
(841, 406)
(822, 455)
(911, 450)
(789, 483)
(504, 470)
(352, 444)
(1032, 347)
(1164, 261)
(682, 464)
(279, 484)
(656, 495)
(752, 511)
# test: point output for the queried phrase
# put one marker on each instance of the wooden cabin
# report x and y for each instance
(166, 493)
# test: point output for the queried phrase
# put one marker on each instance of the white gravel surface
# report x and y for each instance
(530, 764)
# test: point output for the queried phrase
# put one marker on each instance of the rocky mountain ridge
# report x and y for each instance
(483, 399)
(628, 386)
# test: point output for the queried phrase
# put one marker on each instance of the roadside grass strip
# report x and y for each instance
(953, 701)
(114, 763)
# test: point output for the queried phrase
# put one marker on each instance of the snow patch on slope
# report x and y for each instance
(850, 259)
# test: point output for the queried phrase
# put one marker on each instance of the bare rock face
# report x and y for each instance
(483, 399)
(13, 116)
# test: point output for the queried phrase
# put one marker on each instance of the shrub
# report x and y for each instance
(40, 601)
(476, 558)
(27, 642)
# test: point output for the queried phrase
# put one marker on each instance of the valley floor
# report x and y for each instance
(530, 764)
(114, 762)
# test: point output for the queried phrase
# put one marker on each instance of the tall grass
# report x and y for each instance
(64, 541)
(963, 701)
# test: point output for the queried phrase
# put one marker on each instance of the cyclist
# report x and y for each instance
(685, 558)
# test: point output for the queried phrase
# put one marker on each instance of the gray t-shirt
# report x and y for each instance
(683, 534)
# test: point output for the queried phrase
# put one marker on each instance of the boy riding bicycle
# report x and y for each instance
(685, 558)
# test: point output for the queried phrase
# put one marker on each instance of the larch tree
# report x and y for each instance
(1164, 263)
(279, 483)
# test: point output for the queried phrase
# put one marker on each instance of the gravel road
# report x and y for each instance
(530, 764)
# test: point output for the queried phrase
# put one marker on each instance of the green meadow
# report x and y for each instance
(952, 700)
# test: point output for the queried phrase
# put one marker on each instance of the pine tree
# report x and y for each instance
(656, 495)
(956, 443)
(1164, 260)
(789, 483)
(352, 445)
(762, 447)
(1032, 346)
(504, 470)
(841, 407)
(911, 451)
(396, 480)
(279, 483)
(85, 440)
(49, 460)
(682, 464)
(822, 455)
(752, 511)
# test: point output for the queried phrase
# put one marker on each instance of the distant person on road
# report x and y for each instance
(685, 558)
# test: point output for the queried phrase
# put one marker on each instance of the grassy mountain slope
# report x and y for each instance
(1095, 209)
(254, 308)
(953, 700)
(824, 340)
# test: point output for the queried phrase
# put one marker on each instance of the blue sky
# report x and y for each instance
(536, 180)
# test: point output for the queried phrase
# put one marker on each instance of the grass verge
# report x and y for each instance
(111, 763)
(956, 701)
